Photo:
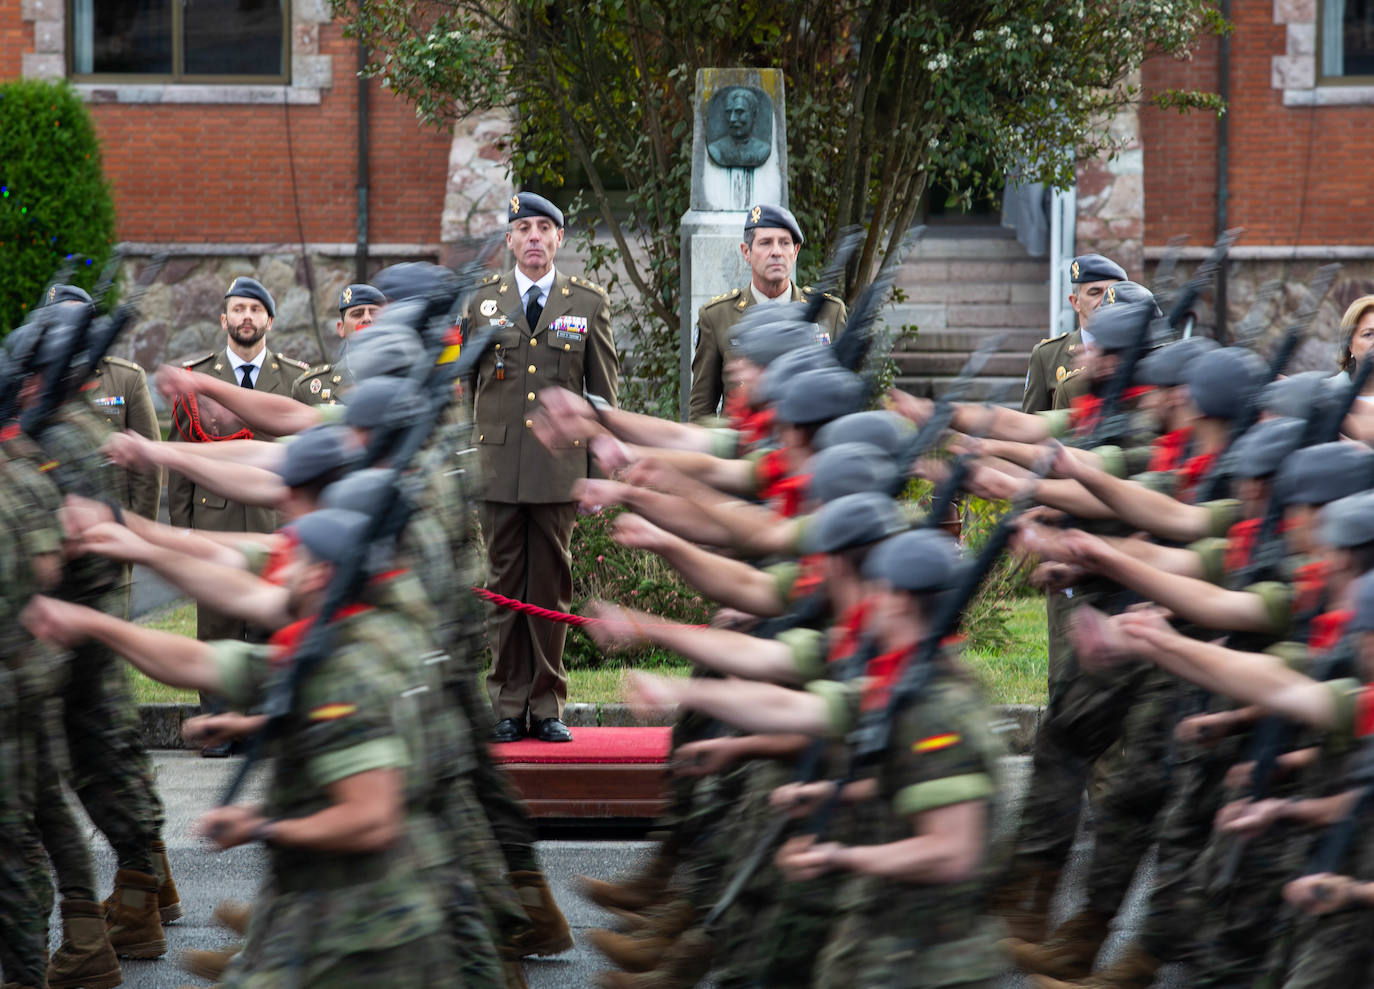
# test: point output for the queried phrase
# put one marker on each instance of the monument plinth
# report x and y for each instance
(739, 158)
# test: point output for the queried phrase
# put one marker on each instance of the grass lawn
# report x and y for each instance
(1015, 677)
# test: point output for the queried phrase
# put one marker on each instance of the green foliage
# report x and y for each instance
(55, 204)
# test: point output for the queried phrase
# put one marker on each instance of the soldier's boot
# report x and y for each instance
(682, 966)
(671, 918)
(1023, 901)
(208, 965)
(135, 925)
(511, 971)
(1068, 953)
(632, 952)
(550, 934)
(636, 894)
(1135, 969)
(85, 957)
(168, 900)
(233, 914)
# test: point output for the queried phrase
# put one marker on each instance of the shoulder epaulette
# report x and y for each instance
(722, 297)
(292, 362)
(584, 283)
(193, 361)
(313, 371)
(489, 279)
(121, 362)
(833, 298)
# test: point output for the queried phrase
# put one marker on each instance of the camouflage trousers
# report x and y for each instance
(484, 866)
(62, 835)
(1333, 950)
(23, 920)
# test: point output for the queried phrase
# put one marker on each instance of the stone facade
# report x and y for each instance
(478, 184)
(1111, 196)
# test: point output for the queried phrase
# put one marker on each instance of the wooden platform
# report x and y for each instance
(601, 773)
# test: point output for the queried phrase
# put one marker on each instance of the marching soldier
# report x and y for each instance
(1056, 375)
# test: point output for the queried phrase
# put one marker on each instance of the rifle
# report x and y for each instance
(845, 246)
(854, 344)
(1162, 285)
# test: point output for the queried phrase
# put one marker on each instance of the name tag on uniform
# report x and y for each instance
(108, 401)
(571, 325)
(823, 338)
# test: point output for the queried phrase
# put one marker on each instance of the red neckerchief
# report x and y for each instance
(193, 432)
(788, 494)
(1309, 581)
(1085, 410)
(287, 639)
(1327, 628)
(1192, 472)
(1169, 451)
(1364, 714)
(1240, 543)
(772, 468)
(883, 672)
(810, 577)
(848, 632)
(279, 557)
(10, 431)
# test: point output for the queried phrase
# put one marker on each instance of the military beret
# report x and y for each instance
(762, 345)
(815, 397)
(1363, 619)
(330, 533)
(67, 293)
(1296, 395)
(1319, 474)
(384, 400)
(1223, 382)
(1348, 522)
(1116, 327)
(360, 294)
(524, 204)
(848, 468)
(1166, 367)
(853, 520)
(764, 215)
(361, 491)
(1262, 448)
(1095, 268)
(412, 280)
(250, 288)
(888, 431)
(387, 348)
(316, 452)
(773, 383)
(1130, 293)
(922, 560)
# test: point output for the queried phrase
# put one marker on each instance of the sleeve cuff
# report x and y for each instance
(1293, 655)
(332, 415)
(920, 797)
(784, 578)
(1345, 695)
(724, 443)
(1212, 553)
(839, 704)
(376, 753)
(255, 554)
(39, 541)
(1057, 421)
(1278, 603)
(235, 662)
(808, 651)
(1222, 514)
(1112, 458)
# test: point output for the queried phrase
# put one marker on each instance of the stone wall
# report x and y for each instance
(1111, 197)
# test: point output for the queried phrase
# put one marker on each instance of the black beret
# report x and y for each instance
(1224, 382)
(316, 452)
(1130, 293)
(413, 280)
(886, 430)
(764, 215)
(777, 375)
(383, 400)
(360, 294)
(762, 345)
(1118, 326)
(1348, 522)
(361, 491)
(848, 468)
(922, 560)
(1296, 395)
(1263, 447)
(387, 348)
(330, 533)
(1319, 474)
(524, 204)
(1095, 268)
(250, 288)
(1167, 366)
(1363, 619)
(821, 395)
(67, 293)
(854, 520)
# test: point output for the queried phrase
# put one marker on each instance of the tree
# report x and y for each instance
(882, 95)
(55, 205)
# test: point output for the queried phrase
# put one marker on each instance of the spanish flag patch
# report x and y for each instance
(332, 712)
(44, 468)
(936, 742)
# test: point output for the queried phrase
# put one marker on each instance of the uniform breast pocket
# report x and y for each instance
(572, 352)
(205, 500)
(491, 435)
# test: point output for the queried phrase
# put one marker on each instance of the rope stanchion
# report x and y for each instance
(524, 608)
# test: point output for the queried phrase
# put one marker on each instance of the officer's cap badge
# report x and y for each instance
(348, 295)
(1074, 271)
(515, 204)
(755, 213)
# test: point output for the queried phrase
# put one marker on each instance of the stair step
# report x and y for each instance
(974, 270)
(933, 363)
(1000, 389)
(1034, 293)
(966, 340)
(987, 244)
(1019, 317)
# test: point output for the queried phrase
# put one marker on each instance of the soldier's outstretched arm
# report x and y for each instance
(260, 411)
(235, 481)
(82, 515)
(175, 660)
(674, 513)
(1137, 505)
(134, 452)
(736, 477)
(987, 420)
(733, 653)
(756, 707)
(566, 417)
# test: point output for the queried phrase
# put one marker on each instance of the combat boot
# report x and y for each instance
(208, 965)
(671, 918)
(85, 957)
(1023, 901)
(168, 900)
(1135, 969)
(233, 914)
(550, 934)
(135, 925)
(632, 952)
(1069, 951)
(642, 891)
(683, 966)
(511, 971)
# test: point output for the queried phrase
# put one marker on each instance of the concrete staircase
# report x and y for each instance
(962, 285)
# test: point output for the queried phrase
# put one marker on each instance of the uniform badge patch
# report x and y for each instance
(109, 400)
(1060, 373)
(315, 386)
(488, 308)
(936, 742)
(332, 712)
(570, 324)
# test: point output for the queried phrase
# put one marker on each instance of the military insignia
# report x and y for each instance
(1074, 271)
(488, 308)
(325, 393)
(1060, 373)
(823, 338)
(936, 742)
(315, 386)
(230, 289)
(502, 289)
(44, 468)
(52, 294)
(754, 214)
(1111, 294)
(515, 204)
(332, 712)
(566, 290)
(570, 325)
(108, 401)
(348, 295)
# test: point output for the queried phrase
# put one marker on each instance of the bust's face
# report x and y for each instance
(739, 117)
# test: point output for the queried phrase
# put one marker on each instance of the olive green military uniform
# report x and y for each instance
(120, 395)
(528, 511)
(1056, 375)
(320, 384)
(714, 323)
(193, 507)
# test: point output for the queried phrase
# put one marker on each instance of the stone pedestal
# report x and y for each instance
(713, 228)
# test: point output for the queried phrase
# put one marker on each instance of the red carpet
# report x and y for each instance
(619, 746)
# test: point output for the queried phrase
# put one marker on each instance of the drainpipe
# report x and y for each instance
(1223, 155)
(364, 178)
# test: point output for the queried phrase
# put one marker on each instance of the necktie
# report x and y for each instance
(247, 381)
(532, 307)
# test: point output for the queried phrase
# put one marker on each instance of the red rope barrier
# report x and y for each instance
(501, 601)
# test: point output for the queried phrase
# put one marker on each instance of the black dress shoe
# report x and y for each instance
(220, 751)
(507, 730)
(551, 730)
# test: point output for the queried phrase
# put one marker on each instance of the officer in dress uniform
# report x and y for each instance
(359, 305)
(1055, 376)
(551, 329)
(772, 240)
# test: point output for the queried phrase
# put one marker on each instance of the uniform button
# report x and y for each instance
(534, 341)
(530, 397)
(481, 437)
(532, 369)
(567, 346)
(577, 442)
(529, 423)
(202, 501)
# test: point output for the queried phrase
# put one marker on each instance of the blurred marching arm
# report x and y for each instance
(992, 421)
(1135, 504)
(135, 452)
(1288, 764)
(80, 516)
(569, 416)
(1026, 455)
(746, 704)
(709, 756)
(229, 479)
(260, 411)
(1177, 560)
(1359, 423)
(671, 512)
(733, 477)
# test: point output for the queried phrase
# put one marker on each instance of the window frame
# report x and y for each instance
(1322, 79)
(178, 54)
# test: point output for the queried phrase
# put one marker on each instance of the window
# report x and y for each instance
(181, 40)
(1347, 39)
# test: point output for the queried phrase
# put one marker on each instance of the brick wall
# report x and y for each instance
(16, 37)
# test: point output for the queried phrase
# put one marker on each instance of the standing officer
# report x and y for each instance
(359, 305)
(772, 241)
(1056, 375)
(551, 329)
